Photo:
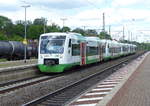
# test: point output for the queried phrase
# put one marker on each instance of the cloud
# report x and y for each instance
(133, 14)
(84, 13)
(6, 8)
(58, 4)
(12, 2)
(64, 4)
(125, 2)
(11, 5)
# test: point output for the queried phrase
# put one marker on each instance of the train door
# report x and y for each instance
(69, 54)
(113, 51)
(100, 52)
(83, 53)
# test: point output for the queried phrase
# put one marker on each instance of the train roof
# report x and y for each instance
(91, 38)
(78, 36)
(53, 33)
(67, 34)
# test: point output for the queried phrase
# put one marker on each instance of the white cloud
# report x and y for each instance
(63, 4)
(8, 2)
(81, 13)
(125, 2)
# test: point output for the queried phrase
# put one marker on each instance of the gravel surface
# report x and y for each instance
(29, 93)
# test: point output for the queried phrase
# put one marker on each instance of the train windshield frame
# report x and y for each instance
(52, 44)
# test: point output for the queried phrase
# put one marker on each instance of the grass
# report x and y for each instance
(3, 60)
(16, 63)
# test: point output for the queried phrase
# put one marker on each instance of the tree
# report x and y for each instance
(53, 28)
(6, 25)
(34, 31)
(4, 22)
(20, 22)
(65, 29)
(15, 38)
(104, 35)
(3, 37)
(19, 29)
(91, 32)
(40, 21)
(79, 30)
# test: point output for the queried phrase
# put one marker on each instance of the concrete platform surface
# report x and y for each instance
(136, 92)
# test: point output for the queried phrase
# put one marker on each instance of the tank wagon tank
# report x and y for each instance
(14, 50)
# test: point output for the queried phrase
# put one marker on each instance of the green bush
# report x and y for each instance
(15, 38)
(3, 37)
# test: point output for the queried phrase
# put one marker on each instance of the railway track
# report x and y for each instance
(65, 94)
(18, 72)
(14, 85)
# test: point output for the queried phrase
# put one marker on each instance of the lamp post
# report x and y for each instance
(25, 33)
(63, 20)
(45, 23)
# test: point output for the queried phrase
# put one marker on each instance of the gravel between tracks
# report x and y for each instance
(29, 93)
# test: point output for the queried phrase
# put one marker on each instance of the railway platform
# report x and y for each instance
(136, 91)
(129, 86)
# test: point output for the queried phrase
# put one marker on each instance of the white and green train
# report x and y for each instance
(61, 51)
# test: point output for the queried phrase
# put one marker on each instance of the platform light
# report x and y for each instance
(25, 35)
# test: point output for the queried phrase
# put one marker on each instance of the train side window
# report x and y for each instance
(69, 42)
(92, 51)
(75, 49)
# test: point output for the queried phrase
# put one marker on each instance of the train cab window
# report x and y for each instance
(69, 42)
(52, 44)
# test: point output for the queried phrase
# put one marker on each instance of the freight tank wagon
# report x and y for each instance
(14, 50)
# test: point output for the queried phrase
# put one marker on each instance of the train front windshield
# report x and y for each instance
(52, 44)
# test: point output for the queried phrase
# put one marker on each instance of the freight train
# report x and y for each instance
(14, 50)
(60, 51)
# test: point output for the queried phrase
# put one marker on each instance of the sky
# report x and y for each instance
(133, 15)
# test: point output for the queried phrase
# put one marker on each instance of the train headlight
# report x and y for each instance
(41, 57)
(61, 56)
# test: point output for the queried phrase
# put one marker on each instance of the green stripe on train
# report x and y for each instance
(61, 67)
(91, 61)
(106, 58)
(56, 68)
